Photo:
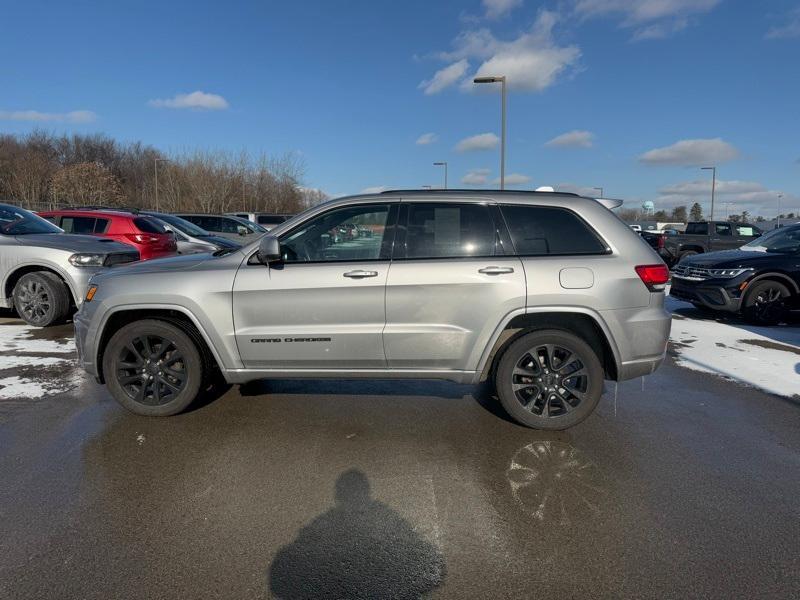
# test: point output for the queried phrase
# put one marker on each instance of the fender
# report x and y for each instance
(783, 277)
(592, 314)
(50, 267)
(173, 307)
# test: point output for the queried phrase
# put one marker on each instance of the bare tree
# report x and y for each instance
(86, 183)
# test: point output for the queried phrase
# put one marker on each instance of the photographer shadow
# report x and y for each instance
(360, 548)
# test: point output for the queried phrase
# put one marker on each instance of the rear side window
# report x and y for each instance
(146, 225)
(449, 231)
(267, 220)
(544, 230)
(83, 225)
(697, 229)
(722, 229)
(100, 225)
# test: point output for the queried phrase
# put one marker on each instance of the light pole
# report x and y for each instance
(713, 186)
(779, 209)
(442, 164)
(502, 80)
(155, 168)
(601, 191)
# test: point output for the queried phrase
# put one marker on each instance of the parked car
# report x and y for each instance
(266, 220)
(150, 238)
(707, 236)
(190, 238)
(44, 272)
(545, 294)
(761, 280)
(227, 226)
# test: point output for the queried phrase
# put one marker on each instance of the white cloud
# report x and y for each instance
(444, 78)
(499, 8)
(751, 196)
(376, 189)
(790, 28)
(426, 139)
(572, 139)
(649, 19)
(195, 100)
(690, 153)
(75, 116)
(476, 177)
(482, 141)
(530, 62)
(514, 179)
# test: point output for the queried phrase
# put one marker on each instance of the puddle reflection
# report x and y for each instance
(554, 482)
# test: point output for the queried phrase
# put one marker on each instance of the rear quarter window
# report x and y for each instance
(546, 230)
(146, 225)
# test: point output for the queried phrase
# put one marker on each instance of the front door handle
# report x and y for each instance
(495, 270)
(360, 274)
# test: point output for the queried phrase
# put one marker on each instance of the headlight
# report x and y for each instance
(726, 273)
(87, 260)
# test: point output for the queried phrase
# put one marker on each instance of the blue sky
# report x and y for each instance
(645, 90)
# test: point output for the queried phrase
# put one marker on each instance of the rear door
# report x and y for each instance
(322, 307)
(450, 285)
(722, 237)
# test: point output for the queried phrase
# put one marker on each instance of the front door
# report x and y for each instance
(322, 306)
(449, 286)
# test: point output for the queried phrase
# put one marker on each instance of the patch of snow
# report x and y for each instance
(20, 338)
(767, 358)
(20, 387)
(13, 362)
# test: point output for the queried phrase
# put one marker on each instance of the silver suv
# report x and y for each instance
(544, 294)
(44, 272)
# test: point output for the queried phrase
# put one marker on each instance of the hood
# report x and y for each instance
(729, 259)
(74, 243)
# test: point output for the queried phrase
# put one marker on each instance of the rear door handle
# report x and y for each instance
(360, 274)
(495, 270)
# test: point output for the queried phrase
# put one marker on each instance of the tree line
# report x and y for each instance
(682, 214)
(43, 171)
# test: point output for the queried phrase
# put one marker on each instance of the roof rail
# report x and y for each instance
(132, 210)
(477, 191)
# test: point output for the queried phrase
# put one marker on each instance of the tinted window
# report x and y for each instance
(230, 226)
(351, 233)
(542, 230)
(722, 229)
(697, 228)
(449, 231)
(146, 225)
(83, 225)
(267, 220)
(100, 225)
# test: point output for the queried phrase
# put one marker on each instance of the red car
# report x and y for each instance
(144, 233)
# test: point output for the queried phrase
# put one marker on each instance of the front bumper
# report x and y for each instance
(724, 295)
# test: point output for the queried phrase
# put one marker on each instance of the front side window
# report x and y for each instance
(18, 221)
(544, 230)
(747, 231)
(449, 231)
(353, 233)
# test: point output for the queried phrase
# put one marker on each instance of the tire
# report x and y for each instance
(765, 302)
(575, 384)
(686, 254)
(41, 299)
(153, 368)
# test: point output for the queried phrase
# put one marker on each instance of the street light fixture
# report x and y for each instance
(442, 164)
(155, 168)
(601, 191)
(713, 186)
(502, 80)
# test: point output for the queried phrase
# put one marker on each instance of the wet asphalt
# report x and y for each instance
(685, 486)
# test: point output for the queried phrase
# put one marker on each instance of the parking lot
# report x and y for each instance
(402, 489)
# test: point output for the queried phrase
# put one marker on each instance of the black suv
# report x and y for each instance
(760, 280)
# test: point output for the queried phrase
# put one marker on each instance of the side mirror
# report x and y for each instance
(269, 250)
(241, 230)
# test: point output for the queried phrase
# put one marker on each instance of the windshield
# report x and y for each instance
(18, 221)
(184, 226)
(250, 225)
(785, 240)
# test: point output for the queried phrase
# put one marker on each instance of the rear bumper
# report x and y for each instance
(715, 297)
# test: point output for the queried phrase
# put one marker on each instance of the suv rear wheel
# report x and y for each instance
(41, 299)
(153, 368)
(549, 379)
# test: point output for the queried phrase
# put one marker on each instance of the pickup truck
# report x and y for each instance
(706, 236)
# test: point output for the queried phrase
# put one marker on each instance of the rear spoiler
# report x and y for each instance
(609, 203)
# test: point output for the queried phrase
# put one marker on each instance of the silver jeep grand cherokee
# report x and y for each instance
(544, 294)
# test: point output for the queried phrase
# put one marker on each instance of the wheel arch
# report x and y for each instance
(775, 276)
(14, 276)
(693, 247)
(585, 325)
(178, 316)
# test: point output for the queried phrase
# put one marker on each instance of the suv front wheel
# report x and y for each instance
(153, 368)
(549, 379)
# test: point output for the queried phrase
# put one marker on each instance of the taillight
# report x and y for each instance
(654, 277)
(143, 238)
